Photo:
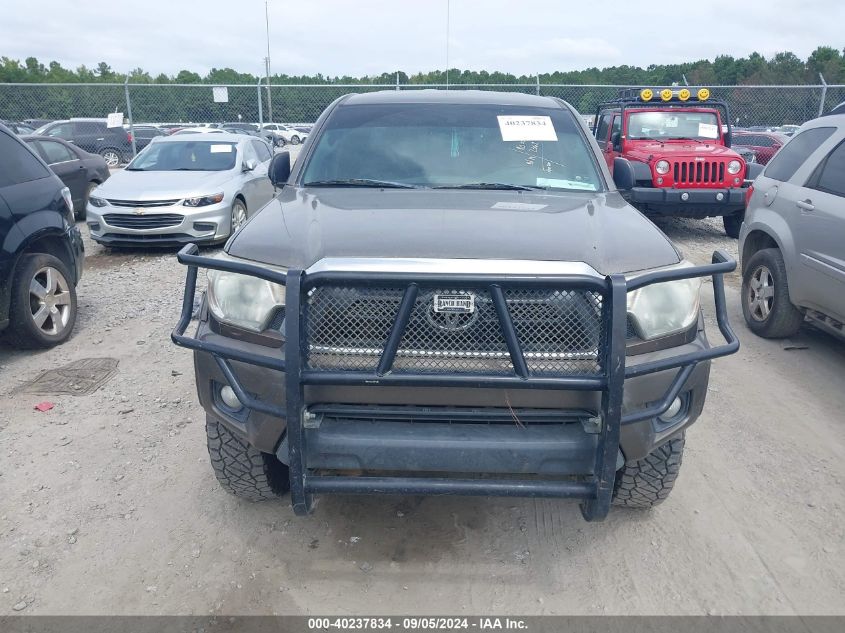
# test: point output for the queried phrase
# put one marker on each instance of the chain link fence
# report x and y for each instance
(301, 104)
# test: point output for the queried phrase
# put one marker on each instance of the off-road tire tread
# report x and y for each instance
(647, 482)
(785, 319)
(242, 469)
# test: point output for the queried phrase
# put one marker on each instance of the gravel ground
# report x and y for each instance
(109, 505)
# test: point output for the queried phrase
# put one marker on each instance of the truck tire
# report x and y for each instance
(647, 482)
(42, 310)
(773, 315)
(733, 223)
(242, 469)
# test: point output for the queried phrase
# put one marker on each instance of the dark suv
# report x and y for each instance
(449, 295)
(41, 257)
(114, 144)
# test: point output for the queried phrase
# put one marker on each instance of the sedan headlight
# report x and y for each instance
(734, 166)
(242, 300)
(662, 167)
(665, 308)
(203, 201)
(97, 202)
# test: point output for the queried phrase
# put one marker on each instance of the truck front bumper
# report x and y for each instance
(696, 203)
(409, 432)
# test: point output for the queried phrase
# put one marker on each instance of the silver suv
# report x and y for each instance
(791, 244)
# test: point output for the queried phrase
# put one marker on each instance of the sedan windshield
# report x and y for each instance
(673, 125)
(453, 146)
(185, 156)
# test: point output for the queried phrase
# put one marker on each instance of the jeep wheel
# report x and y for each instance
(43, 303)
(242, 469)
(647, 482)
(733, 223)
(111, 156)
(765, 296)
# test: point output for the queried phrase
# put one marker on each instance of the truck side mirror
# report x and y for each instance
(623, 174)
(616, 141)
(279, 170)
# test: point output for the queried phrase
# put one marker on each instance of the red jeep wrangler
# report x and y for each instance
(679, 146)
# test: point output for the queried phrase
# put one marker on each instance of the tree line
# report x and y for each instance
(726, 70)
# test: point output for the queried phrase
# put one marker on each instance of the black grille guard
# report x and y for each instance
(596, 492)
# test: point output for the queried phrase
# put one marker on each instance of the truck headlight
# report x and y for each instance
(242, 300)
(665, 308)
(734, 166)
(662, 167)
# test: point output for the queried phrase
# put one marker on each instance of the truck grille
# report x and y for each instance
(152, 221)
(698, 172)
(560, 331)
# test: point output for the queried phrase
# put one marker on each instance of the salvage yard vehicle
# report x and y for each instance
(791, 244)
(41, 257)
(678, 142)
(114, 144)
(182, 189)
(449, 295)
(81, 171)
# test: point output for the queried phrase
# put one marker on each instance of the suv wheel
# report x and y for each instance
(733, 223)
(242, 469)
(111, 156)
(647, 482)
(765, 296)
(43, 306)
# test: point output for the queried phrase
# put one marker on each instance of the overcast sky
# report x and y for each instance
(342, 37)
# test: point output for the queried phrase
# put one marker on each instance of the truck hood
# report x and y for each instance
(163, 185)
(300, 227)
(643, 151)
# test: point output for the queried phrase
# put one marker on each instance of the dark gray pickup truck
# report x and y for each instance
(448, 295)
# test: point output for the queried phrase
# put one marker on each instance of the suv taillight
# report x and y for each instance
(129, 136)
(748, 193)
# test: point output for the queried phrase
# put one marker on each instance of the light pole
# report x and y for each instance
(267, 61)
(447, 43)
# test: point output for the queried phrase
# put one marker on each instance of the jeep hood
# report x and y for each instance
(303, 226)
(645, 150)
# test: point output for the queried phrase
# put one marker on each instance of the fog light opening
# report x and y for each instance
(205, 226)
(227, 395)
(672, 412)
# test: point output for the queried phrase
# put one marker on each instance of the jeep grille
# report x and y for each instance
(561, 331)
(698, 172)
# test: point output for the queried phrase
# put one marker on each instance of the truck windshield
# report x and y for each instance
(673, 125)
(453, 146)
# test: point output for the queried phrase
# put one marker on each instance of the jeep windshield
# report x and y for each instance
(453, 146)
(185, 156)
(673, 125)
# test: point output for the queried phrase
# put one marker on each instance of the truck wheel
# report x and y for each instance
(242, 469)
(733, 223)
(42, 310)
(765, 296)
(647, 482)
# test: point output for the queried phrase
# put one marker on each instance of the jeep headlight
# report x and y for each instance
(734, 166)
(662, 167)
(665, 308)
(243, 300)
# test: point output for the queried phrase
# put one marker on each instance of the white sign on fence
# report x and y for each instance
(115, 119)
(221, 94)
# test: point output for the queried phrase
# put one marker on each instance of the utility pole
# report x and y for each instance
(447, 43)
(267, 61)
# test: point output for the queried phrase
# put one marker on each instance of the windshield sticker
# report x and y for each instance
(565, 184)
(672, 121)
(527, 128)
(519, 206)
(221, 149)
(708, 130)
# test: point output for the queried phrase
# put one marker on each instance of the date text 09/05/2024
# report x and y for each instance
(416, 624)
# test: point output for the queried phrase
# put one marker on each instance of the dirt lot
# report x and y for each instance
(108, 504)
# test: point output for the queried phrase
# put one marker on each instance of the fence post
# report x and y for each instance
(260, 107)
(824, 94)
(129, 114)
(397, 81)
(538, 84)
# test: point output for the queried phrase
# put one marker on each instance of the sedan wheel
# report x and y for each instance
(112, 157)
(294, 140)
(238, 215)
(280, 141)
